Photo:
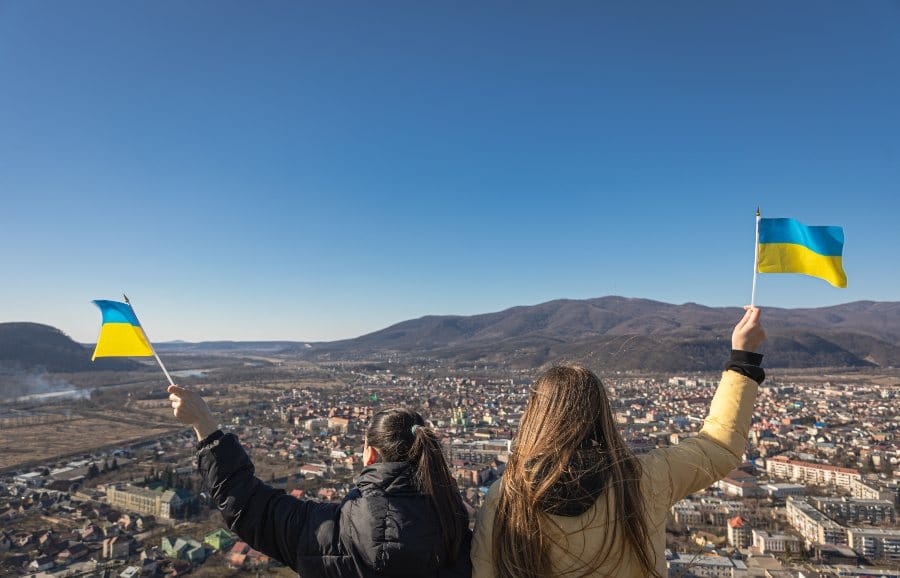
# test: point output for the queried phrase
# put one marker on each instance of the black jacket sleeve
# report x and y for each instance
(270, 521)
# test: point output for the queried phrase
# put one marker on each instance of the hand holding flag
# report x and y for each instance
(748, 333)
(190, 409)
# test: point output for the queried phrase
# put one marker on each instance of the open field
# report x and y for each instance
(126, 408)
(83, 434)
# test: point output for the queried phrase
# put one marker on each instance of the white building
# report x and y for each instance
(783, 490)
(766, 543)
(867, 491)
(164, 504)
(686, 514)
(812, 524)
(711, 566)
(811, 473)
(739, 533)
(854, 511)
(313, 470)
(875, 543)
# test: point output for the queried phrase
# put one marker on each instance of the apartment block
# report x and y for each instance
(875, 543)
(812, 524)
(811, 473)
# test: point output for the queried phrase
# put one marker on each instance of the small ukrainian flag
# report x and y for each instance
(789, 246)
(121, 334)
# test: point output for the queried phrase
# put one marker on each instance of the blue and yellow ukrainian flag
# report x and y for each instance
(789, 246)
(121, 334)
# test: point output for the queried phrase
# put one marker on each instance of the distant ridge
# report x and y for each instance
(224, 346)
(28, 346)
(629, 333)
(615, 333)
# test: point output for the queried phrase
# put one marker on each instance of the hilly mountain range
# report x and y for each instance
(626, 333)
(615, 333)
(28, 346)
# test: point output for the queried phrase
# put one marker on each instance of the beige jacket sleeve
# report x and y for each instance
(482, 540)
(697, 462)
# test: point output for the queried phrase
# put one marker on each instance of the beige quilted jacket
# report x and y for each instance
(669, 474)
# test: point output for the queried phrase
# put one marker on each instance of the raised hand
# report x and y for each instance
(748, 333)
(190, 409)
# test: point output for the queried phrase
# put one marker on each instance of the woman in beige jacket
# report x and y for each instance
(575, 502)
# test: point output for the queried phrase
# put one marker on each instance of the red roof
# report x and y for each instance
(736, 522)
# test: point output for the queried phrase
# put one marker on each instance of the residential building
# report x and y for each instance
(338, 424)
(811, 473)
(766, 543)
(186, 549)
(779, 491)
(812, 524)
(220, 540)
(686, 514)
(868, 491)
(876, 543)
(318, 470)
(707, 566)
(167, 504)
(116, 547)
(739, 533)
(854, 511)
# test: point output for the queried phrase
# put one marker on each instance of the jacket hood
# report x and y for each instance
(578, 487)
(387, 477)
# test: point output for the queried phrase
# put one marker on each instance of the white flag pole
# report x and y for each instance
(158, 360)
(755, 262)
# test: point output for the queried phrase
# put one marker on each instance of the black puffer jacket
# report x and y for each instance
(385, 527)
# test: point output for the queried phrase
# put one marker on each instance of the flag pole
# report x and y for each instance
(158, 360)
(755, 261)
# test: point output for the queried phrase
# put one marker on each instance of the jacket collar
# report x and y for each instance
(388, 477)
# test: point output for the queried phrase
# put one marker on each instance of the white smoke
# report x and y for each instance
(22, 385)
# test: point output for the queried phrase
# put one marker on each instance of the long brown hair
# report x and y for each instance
(567, 450)
(392, 434)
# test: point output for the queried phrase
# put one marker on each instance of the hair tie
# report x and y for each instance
(414, 428)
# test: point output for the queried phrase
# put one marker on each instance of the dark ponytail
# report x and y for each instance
(400, 435)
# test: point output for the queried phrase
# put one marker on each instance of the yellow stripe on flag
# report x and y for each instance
(791, 258)
(122, 340)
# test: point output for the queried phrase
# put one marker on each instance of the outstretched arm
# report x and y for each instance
(276, 524)
(697, 462)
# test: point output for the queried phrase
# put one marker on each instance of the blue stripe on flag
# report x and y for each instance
(827, 241)
(116, 312)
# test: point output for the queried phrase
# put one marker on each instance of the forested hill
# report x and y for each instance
(626, 333)
(26, 346)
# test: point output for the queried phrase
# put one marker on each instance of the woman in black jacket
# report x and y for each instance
(404, 518)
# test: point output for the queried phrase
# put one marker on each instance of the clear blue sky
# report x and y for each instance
(318, 170)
